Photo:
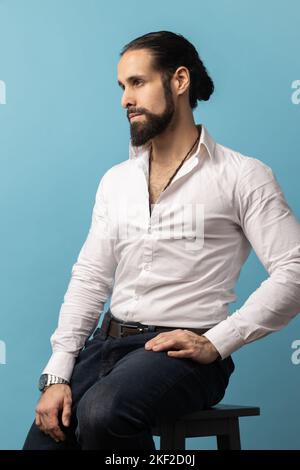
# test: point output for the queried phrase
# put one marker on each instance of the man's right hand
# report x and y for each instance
(55, 398)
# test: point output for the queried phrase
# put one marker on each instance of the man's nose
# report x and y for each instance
(127, 99)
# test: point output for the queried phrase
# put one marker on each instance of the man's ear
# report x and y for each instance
(181, 80)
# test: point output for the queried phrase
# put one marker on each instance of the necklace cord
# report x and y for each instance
(180, 165)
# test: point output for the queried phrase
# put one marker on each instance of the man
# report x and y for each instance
(171, 229)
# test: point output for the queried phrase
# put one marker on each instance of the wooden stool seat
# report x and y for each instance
(221, 421)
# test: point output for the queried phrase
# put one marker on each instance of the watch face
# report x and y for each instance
(42, 381)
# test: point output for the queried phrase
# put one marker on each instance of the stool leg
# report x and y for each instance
(172, 436)
(231, 440)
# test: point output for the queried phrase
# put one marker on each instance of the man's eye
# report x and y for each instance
(136, 82)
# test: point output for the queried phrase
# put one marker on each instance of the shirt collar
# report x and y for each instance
(206, 141)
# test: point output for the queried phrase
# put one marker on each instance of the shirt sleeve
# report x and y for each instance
(274, 233)
(89, 288)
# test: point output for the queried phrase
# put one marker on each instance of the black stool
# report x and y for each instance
(221, 421)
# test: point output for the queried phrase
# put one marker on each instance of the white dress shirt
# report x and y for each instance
(178, 266)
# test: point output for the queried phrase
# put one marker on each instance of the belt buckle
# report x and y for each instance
(134, 327)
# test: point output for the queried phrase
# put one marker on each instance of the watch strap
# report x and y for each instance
(49, 379)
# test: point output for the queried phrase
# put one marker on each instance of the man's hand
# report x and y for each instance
(55, 398)
(184, 344)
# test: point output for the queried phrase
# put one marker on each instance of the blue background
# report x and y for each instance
(63, 126)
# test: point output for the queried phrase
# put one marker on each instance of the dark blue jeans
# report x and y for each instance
(119, 389)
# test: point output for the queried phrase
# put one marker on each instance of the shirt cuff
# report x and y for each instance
(225, 338)
(60, 364)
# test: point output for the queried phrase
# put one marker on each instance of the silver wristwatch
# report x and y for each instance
(49, 379)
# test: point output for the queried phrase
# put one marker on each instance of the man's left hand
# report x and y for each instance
(184, 344)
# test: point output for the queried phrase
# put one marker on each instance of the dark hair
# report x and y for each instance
(170, 51)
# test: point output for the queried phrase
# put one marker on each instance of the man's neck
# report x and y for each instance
(172, 146)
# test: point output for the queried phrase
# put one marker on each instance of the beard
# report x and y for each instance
(154, 124)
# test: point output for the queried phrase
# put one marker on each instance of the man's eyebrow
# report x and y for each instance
(131, 79)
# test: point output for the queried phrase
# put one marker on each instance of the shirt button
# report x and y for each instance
(136, 297)
(147, 267)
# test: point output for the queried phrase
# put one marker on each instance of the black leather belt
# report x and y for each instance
(119, 329)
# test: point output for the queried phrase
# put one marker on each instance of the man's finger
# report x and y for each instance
(166, 336)
(66, 413)
(50, 425)
(181, 353)
(37, 420)
(176, 342)
(57, 434)
(164, 344)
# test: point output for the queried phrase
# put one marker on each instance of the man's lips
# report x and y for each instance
(133, 115)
